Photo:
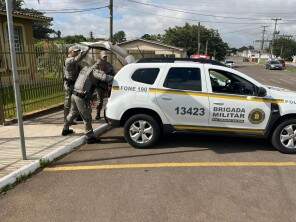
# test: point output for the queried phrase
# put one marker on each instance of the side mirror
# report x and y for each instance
(261, 92)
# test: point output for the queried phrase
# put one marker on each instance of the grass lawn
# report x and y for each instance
(35, 96)
(291, 69)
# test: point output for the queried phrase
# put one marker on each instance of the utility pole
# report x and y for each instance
(198, 39)
(263, 37)
(111, 20)
(274, 33)
(16, 80)
(111, 27)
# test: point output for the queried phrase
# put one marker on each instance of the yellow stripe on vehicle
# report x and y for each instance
(217, 129)
(115, 88)
(215, 95)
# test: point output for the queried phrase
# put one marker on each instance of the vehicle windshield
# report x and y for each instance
(229, 62)
(274, 62)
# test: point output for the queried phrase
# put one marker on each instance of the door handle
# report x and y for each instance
(219, 104)
(166, 98)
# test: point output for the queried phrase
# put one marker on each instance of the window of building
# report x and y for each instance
(184, 79)
(147, 75)
(18, 39)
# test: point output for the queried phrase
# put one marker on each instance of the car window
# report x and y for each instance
(274, 62)
(229, 83)
(147, 75)
(184, 79)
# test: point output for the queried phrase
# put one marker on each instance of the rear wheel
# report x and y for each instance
(284, 137)
(141, 131)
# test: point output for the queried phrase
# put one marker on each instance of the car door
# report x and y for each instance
(182, 96)
(234, 104)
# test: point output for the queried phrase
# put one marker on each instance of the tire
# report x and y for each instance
(285, 132)
(136, 125)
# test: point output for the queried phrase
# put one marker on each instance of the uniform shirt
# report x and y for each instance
(89, 78)
(72, 67)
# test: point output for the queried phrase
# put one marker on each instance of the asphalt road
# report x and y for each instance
(280, 78)
(187, 177)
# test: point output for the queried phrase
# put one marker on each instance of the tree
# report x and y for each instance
(16, 4)
(243, 48)
(41, 29)
(119, 37)
(71, 39)
(250, 47)
(187, 37)
(285, 48)
(157, 37)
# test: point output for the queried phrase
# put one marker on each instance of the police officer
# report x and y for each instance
(102, 89)
(86, 83)
(71, 72)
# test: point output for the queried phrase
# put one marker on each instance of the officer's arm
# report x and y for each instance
(81, 55)
(102, 76)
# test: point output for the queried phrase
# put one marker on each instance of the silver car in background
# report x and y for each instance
(230, 63)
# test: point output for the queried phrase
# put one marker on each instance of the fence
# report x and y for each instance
(40, 70)
(41, 79)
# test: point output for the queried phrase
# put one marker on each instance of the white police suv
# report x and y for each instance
(153, 96)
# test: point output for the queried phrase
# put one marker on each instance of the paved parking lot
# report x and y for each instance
(187, 177)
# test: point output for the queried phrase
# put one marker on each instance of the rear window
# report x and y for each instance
(184, 79)
(147, 75)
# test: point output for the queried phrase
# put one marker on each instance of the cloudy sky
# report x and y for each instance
(238, 21)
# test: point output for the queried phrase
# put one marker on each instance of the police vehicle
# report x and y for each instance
(170, 95)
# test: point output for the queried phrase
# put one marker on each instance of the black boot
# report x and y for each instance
(98, 117)
(93, 140)
(67, 132)
(79, 118)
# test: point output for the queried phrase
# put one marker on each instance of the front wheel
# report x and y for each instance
(142, 131)
(284, 137)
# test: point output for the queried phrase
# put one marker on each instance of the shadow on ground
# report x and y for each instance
(115, 147)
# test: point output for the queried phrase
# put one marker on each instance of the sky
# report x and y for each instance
(239, 22)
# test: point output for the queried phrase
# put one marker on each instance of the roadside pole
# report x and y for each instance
(274, 34)
(111, 27)
(198, 39)
(16, 80)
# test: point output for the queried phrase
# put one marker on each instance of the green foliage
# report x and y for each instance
(119, 37)
(157, 37)
(233, 50)
(44, 163)
(285, 48)
(243, 48)
(71, 39)
(41, 29)
(187, 37)
(17, 4)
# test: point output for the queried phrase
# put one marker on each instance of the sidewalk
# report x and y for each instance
(43, 136)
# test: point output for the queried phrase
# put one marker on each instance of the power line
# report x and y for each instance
(195, 13)
(196, 20)
(239, 30)
(72, 10)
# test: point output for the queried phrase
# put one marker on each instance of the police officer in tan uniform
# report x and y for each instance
(85, 85)
(71, 72)
(102, 89)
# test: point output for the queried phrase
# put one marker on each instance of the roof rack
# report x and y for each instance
(173, 60)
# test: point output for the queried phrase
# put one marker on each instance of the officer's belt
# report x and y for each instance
(80, 95)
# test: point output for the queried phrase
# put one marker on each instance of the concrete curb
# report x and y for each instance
(32, 167)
